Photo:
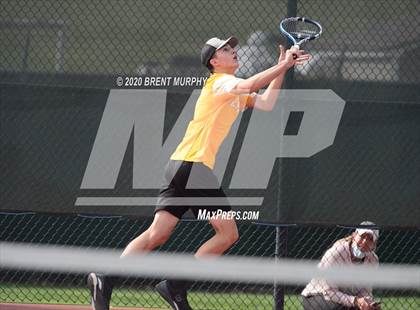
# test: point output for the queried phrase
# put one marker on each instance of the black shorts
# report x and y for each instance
(184, 183)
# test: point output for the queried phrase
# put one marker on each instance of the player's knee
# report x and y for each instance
(229, 238)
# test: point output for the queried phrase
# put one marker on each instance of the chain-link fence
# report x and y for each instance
(53, 42)
(394, 246)
(369, 54)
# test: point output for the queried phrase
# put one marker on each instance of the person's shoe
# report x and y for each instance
(176, 297)
(100, 291)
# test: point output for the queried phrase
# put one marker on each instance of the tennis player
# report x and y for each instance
(358, 248)
(222, 98)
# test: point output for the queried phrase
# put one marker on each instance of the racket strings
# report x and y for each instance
(300, 29)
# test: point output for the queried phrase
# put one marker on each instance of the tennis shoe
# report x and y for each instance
(100, 291)
(176, 297)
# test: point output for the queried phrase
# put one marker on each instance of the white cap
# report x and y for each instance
(373, 232)
(213, 45)
(218, 43)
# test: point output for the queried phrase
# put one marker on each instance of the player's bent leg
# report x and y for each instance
(226, 235)
(173, 291)
(100, 286)
(157, 234)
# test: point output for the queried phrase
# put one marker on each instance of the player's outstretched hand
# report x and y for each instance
(300, 59)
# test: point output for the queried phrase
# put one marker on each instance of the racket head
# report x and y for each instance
(300, 29)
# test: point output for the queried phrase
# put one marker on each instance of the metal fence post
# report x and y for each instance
(291, 11)
(280, 251)
(282, 231)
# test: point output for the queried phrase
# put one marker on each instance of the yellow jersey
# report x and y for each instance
(215, 111)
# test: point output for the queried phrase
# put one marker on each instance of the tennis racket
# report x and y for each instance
(300, 30)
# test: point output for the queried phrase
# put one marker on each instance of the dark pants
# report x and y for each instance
(319, 303)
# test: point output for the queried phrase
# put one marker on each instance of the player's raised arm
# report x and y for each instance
(267, 100)
(262, 79)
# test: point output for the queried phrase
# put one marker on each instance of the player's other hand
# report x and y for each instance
(282, 56)
(288, 56)
(362, 303)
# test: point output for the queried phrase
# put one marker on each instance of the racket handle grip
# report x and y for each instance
(298, 47)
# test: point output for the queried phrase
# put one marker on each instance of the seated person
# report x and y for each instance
(358, 248)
